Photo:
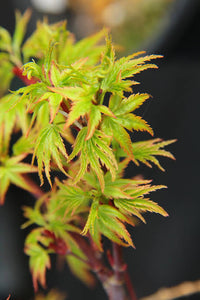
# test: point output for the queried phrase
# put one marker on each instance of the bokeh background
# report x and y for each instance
(167, 249)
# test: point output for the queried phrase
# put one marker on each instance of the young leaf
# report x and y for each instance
(87, 47)
(54, 103)
(48, 57)
(111, 127)
(81, 101)
(94, 152)
(129, 104)
(72, 197)
(147, 151)
(137, 204)
(107, 220)
(32, 69)
(20, 29)
(133, 122)
(38, 43)
(113, 219)
(115, 79)
(48, 145)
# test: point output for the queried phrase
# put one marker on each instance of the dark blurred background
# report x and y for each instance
(167, 249)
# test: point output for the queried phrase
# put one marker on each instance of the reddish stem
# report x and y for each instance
(94, 260)
(64, 107)
(130, 286)
(123, 287)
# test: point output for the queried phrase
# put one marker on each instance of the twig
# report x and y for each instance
(181, 290)
(129, 286)
(65, 114)
(95, 262)
(120, 286)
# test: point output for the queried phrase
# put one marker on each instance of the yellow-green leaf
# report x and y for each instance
(11, 172)
(49, 145)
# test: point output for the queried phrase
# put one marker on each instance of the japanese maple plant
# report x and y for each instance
(73, 116)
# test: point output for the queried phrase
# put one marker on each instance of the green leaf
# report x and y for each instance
(137, 204)
(5, 40)
(147, 205)
(48, 57)
(40, 117)
(39, 261)
(38, 43)
(129, 104)
(132, 64)
(94, 120)
(113, 220)
(91, 218)
(54, 74)
(72, 93)
(108, 56)
(20, 30)
(147, 151)
(94, 152)
(34, 216)
(11, 118)
(115, 79)
(81, 102)
(30, 95)
(23, 145)
(127, 207)
(7, 123)
(87, 47)
(72, 197)
(111, 127)
(133, 122)
(11, 171)
(107, 220)
(54, 103)
(48, 146)
(114, 102)
(6, 74)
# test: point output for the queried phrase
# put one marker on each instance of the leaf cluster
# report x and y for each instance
(73, 114)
